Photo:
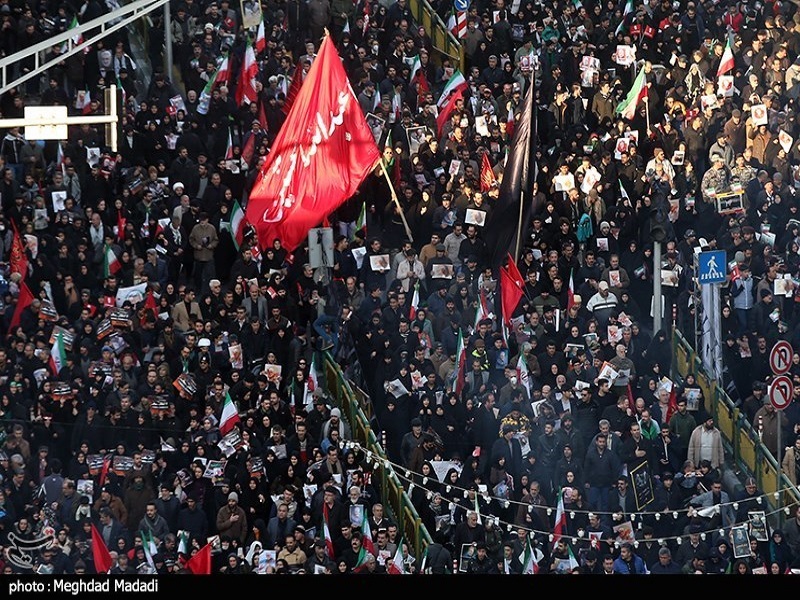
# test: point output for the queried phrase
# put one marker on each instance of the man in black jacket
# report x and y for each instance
(600, 469)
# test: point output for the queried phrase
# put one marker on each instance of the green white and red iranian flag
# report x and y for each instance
(627, 108)
(110, 261)
(238, 223)
(58, 355)
(229, 417)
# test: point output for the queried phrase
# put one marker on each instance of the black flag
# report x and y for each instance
(500, 230)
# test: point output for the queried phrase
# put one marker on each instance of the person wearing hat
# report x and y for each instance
(319, 561)
(717, 178)
(602, 303)
(232, 520)
(335, 421)
(764, 312)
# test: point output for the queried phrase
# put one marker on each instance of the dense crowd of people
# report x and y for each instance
(556, 442)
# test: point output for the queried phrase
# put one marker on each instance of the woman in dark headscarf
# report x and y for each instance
(730, 324)
(634, 262)
(659, 351)
(425, 482)
(255, 500)
(445, 425)
(235, 566)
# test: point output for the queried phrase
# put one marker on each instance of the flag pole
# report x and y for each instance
(521, 209)
(522, 188)
(646, 101)
(395, 200)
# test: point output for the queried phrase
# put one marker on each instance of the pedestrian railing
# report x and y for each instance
(740, 439)
(393, 495)
(444, 42)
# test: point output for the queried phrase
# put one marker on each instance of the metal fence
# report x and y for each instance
(444, 42)
(353, 402)
(739, 436)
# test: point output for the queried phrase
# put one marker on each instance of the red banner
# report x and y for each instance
(512, 288)
(24, 300)
(100, 554)
(321, 154)
(488, 180)
(18, 258)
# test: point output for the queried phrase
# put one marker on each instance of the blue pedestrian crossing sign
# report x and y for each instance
(712, 267)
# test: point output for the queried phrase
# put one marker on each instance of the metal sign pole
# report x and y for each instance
(658, 301)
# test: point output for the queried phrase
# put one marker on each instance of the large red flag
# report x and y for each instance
(320, 156)
(672, 407)
(423, 87)
(294, 89)
(513, 270)
(121, 222)
(510, 295)
(104, 469)
(512, 288)
(262, 114)
(23, 301)
(18, 258)
(150, 304)
(249, 148)
(200, 563)
(100, 553)
(488, 180)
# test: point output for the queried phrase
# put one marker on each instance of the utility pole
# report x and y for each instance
(168, 41)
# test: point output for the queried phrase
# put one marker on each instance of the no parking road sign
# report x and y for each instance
(780, 357)
(781, 391)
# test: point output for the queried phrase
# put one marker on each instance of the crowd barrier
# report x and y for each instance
(355, 406)
(444, 42)
(740, 438)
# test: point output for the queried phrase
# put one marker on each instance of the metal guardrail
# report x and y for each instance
(393, 494)
(444, 42)
(99, 28)
(739, 436)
